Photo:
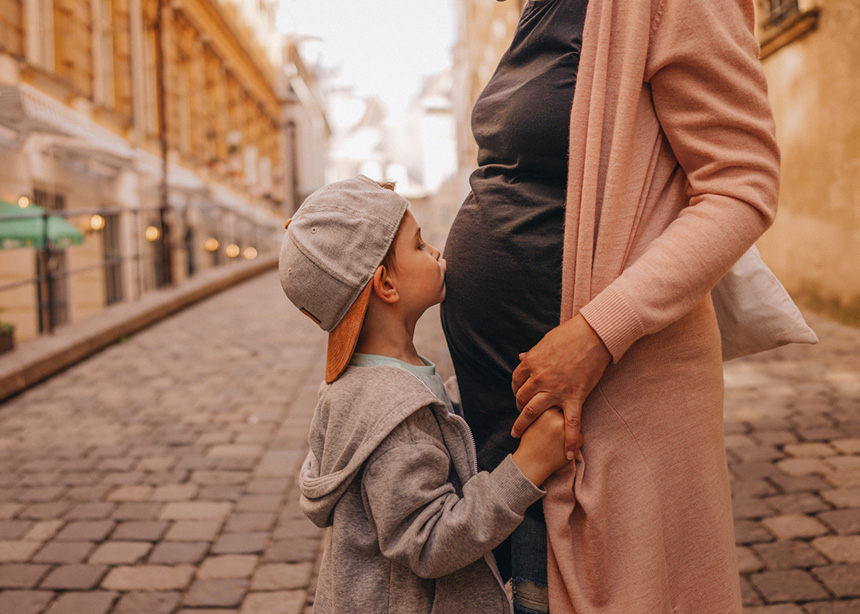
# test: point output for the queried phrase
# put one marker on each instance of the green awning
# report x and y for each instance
(27, 229)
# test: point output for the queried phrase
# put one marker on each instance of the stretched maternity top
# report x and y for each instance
(504, 250)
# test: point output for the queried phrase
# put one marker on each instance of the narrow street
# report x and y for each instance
(159, 476)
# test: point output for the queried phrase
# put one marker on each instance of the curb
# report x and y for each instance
(39, 358)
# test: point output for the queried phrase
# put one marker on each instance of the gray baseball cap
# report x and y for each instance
(331, 248)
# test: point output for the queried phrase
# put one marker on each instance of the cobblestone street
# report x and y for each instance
(159, 476)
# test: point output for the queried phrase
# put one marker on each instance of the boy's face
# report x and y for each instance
(418, 271)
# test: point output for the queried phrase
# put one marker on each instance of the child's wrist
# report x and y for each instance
(530, 467)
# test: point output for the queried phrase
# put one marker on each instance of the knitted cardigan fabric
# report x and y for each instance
(673, 174)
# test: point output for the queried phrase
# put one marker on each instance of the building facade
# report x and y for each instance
(811, 54)
(176, 135)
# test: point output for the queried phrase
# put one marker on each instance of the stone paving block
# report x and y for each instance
(250, 521)
(774, 437)
(140, 530)
(88, 493)
(841, 580)
(12, 530)
(171, 553)
(41, 494)
(228, 566)
(194, 530)
(276, 602)
(64, 552)
(788, 554)
(224, 592)
(802, 466)
(807, 483)
(156, 463)
(138, 492)
(839, 548)
(843, 497)
(821, 433)
(24, 602)
(79, 478)
(792, 526)
(122, 478)
(749, 596)
(148, 603)
(98, 510)
(851, 606)
(222, 492)
(280, 463)
(241, 543)
(92, 602)
(137, 511)
(17, 551)
(9, 510)
(756, 487)
(847, 446)
(148, 578)
(788, 585)
(21, 575)
(844, 522)
(299, 550)
(808, 450)
(45, 511)
(120, 553)
(195, 510)
(220, 478)
(253, 450)
(85, 530)
(751, 532)
(260, 503)
(269, 486)
(844, 463)
(742, 507)
(843, 479)
(283, 576)
(74, 577)
(738, 440)
(175, 492)
(797, 503)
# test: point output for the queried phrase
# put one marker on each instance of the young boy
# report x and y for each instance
(391, 470)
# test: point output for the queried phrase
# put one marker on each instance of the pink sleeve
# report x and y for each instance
(710, 97)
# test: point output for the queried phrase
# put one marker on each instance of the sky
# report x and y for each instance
(381, 47)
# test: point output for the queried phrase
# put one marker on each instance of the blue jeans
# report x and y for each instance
(528, 566)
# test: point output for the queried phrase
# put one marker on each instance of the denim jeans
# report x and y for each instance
(528, 566)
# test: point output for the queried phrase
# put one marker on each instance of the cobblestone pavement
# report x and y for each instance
(159, 476)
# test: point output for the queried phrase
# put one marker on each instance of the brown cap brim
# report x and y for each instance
(342, 340)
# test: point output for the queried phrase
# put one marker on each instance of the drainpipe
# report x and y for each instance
(163, 195)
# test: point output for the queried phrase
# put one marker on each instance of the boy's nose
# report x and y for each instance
(436, 253)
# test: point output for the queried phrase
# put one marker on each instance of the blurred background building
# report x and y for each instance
(98, 98)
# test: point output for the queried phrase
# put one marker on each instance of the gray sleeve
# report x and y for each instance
(421, 521)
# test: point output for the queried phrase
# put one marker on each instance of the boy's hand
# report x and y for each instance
(541, 449)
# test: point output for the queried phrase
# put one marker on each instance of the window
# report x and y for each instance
(783, 21)
(777, 11)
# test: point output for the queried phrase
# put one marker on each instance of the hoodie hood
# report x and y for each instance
(355, 413)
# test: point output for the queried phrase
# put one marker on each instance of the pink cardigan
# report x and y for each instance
(673, 174)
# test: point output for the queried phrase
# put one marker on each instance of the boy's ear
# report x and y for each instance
(383, 285)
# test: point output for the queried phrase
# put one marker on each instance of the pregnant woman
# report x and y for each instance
(626, 159)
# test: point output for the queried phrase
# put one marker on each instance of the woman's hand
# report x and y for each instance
(560, 371)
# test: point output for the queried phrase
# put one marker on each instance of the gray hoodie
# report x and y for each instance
(412, 520)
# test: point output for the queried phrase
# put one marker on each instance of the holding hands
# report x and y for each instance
(559, 373)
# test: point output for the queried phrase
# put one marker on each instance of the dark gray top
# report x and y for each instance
(504, 249)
